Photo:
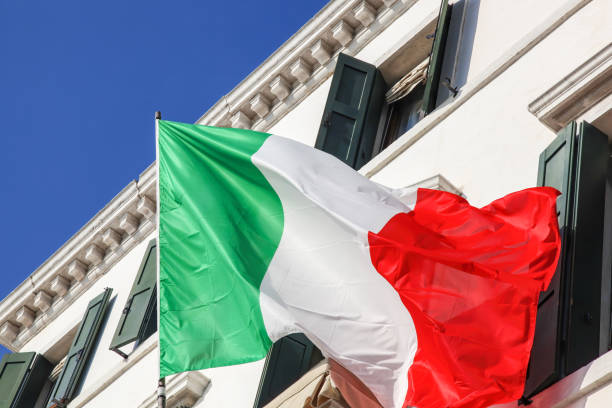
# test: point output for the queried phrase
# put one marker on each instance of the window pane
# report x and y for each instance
(403, 115)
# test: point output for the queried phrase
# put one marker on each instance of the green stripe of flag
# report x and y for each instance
(220, 224)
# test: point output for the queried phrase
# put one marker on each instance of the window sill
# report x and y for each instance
(591, 382)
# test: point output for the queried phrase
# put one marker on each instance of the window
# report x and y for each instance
(138, 320)
(356, 107)
(402, 115)
(573, 321)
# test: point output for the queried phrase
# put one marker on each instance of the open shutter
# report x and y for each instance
(288, 360)
(567, 326)
(352, 112)
(554, 171)
(586, 247)
(22, 377)
(436, 58)
(79, 352)
(141, 303)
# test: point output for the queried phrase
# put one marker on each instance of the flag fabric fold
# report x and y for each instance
(428, 301)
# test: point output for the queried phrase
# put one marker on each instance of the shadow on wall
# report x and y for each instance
(459, 47)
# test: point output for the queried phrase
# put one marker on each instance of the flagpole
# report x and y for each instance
(161, 384)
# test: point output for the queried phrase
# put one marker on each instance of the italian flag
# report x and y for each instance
(428, 301)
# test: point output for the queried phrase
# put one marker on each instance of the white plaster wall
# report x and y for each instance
(133, 387)
(500, 24)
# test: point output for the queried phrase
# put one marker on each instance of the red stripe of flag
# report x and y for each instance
(470, 279)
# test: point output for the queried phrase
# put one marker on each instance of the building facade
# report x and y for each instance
(477, 97)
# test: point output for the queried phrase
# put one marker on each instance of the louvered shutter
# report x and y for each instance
(352, 112)
(80, 350)
(289, 358)
(567, 326)
(139, 310)
(436, 58)
(22, 377)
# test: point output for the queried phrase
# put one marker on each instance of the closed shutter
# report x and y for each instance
(436, 58)
(139, 311)
(567, 326)
(352, 112)
(22, 377)
(289, 358)
(586, 248)
(80, 350)
(554, 171)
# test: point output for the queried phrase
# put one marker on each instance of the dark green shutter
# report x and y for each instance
(22, 377)
(289, 358)
(352, 112)
(436, 57)
(586, 247)
(554, 171)
(80, 350)
(139, 309)
(567, 326)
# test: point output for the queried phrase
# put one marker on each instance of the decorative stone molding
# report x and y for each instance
(343, 33)
(578, 92)
(104, 240)
(111, 238)
(182, 390)
(437, 182)
(8, 332)
(280, 87)
(320, 51)
(240, 120)
(25, 316)
(42, 300)
(389, 3)
(146, 207)
(59, 285)
(94, 254)
(260, 105)
(128, 223)
(365, 13)
(301, 70)
(77, 270)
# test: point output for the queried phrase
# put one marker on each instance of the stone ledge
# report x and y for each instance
(578, 92)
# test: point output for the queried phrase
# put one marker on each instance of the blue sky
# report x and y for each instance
(79, 85)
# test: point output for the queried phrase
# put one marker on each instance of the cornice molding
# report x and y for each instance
(122, 224)
(579, 91)
(303, 62)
